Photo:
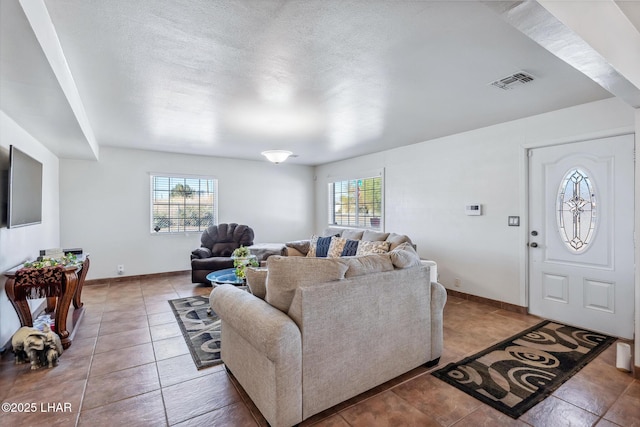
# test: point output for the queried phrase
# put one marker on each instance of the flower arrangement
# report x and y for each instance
(68, 259)
(242, 259)
(241, 252)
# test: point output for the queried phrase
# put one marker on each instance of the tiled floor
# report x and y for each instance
(128, 365)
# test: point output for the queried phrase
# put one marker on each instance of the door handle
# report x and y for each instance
(533, 245)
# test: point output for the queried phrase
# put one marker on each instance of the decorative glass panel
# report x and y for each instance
(577, 213)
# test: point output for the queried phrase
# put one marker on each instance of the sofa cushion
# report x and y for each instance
(367, 248)
(404, 256)
(395, 240)
(257, 281)
(352, 234)
(367, 264)
(374, 236)
(300, 245)
(286, 274)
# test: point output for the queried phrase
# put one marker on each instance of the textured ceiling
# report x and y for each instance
(326, 79)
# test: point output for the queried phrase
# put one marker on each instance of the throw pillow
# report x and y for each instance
(300, 245)
(404, 256)
(368, 264)
(312, 246)
(286, 274)
(368, 248)
(322, 246)
(336, 247)
(319, 246)
(397, 239)
(350, 248)
(257, 281)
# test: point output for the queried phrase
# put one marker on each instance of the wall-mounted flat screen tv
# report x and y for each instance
(25, 189)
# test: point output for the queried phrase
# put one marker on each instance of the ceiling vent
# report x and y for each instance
(513, 81)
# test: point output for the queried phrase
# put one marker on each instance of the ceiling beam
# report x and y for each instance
(581, 35)
(40, 21)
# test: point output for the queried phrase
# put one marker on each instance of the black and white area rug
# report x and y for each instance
(519, 372)
(200, 329)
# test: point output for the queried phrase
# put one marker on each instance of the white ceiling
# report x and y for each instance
(326, 79)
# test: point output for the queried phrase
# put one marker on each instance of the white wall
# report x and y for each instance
(104, 206)
(24, 243)
(428, 184)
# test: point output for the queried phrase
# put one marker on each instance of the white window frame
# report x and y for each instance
(360, 219)
(183, 228)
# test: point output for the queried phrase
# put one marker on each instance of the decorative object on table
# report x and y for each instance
(518, 373)
(242, 259)
(41, 348)
(59, 252)
(201, 331)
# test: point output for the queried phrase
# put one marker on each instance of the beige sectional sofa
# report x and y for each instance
(314, 332)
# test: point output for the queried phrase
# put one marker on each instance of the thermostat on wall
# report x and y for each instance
(473, 209)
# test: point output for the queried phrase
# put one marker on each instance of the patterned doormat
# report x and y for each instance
(521, 371)
(200, 330)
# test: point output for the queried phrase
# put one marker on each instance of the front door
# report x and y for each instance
(581, 213)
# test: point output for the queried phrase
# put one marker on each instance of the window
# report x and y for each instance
(183, 204)
(357, 202)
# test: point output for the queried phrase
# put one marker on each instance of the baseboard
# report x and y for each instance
(138, 277)
(498, 304)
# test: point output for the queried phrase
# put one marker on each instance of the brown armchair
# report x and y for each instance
(217, 244)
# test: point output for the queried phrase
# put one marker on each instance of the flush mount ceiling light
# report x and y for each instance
(276, 156)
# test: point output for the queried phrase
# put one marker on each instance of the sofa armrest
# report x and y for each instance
(262, 347)
(201, 253)
(267, 329)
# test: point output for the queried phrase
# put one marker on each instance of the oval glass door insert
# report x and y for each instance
(577, 213)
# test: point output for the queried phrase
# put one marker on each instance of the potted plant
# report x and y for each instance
(242, 259)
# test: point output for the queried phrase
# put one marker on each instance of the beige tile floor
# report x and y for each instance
(129, 365)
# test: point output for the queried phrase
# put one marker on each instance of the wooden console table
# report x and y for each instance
(68, 290)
